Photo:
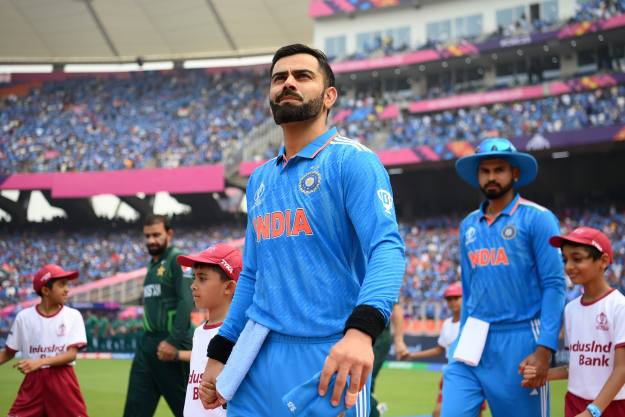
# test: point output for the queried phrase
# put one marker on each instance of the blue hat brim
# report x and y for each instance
(466, 167)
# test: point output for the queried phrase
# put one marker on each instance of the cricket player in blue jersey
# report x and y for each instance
(513, 287)
(323, 259)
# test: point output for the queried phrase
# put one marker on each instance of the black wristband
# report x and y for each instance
(367, 319)
(219, 349)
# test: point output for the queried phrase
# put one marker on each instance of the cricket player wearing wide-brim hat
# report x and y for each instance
(494, 148)
(512, 288)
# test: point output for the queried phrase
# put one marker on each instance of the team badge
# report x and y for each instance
(509, 232)
(61, 330)
(160, 271)
(602, 322)
(387, 200)
(470, 235)
(310, 182)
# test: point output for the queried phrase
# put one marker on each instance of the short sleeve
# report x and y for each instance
(76, 337)
(619, 322)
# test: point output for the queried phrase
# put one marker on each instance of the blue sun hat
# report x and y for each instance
(492, 148)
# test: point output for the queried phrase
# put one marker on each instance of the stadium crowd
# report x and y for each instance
(95, 253)
(586, 11)
(431, 247)
(161, 120)
(136, 120)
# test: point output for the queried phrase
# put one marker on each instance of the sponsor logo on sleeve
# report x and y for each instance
(387, 200)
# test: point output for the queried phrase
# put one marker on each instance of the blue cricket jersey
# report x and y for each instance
(321, 238)
(510, 273)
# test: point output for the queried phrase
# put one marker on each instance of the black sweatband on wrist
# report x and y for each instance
(219, 349)
(367, 319)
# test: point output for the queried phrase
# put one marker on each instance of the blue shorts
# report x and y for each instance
(283, 363)
(496, 379)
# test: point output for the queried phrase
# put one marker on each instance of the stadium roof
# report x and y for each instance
(60, 31)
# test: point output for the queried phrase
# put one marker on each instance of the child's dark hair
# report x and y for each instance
(213, 267)
(48, 285)
(593, 252)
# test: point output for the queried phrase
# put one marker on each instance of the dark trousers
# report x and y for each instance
(150, 378)
(380, 349)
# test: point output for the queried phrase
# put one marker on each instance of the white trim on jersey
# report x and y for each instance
(544, 390)
(361, 404)
(535, 328)
(529, 203)
(544, 400)
(339, 140)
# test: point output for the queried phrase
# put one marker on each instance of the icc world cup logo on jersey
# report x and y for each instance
(602, 322)
(61, 330)
(310, 182)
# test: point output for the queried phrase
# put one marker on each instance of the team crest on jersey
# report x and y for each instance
(61, 330)
(509, 232)
(470, 235)
(602, 322)
(310, 182)
(387, 200)
(160, 271)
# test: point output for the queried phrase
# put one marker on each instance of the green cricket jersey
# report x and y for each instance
(167, 300)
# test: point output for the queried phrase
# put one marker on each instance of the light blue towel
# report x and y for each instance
(241, 359)
(304, 400)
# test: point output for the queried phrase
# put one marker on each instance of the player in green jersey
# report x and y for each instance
(167, 300)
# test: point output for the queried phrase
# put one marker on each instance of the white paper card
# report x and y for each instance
(472, 340)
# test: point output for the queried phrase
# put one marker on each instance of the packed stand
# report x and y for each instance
(591, 10)
(552, 114)
(133, 121)
(96, 254)
(431, 249)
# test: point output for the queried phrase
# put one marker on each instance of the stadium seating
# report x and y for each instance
(132, 121)
(431, 248)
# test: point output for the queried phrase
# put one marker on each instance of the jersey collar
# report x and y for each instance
(313, 148)
(508, 211)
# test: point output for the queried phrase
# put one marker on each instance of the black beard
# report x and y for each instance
(288, 112)
(495, 194)
(157, 250)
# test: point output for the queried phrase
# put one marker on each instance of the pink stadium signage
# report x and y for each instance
(184, 180)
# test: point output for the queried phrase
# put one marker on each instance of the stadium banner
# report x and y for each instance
(517, 94)
(457, 149)
(465, 48)
(570, 138)
(182, 180)
(321, 8)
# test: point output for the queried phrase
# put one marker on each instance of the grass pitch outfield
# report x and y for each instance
(104, 384)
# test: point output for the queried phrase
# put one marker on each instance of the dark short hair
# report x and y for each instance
(213, 267)
(593, 252)
(48, 285)
(298, 48)
(153, 219)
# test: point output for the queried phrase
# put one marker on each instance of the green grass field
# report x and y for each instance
(104, 383)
